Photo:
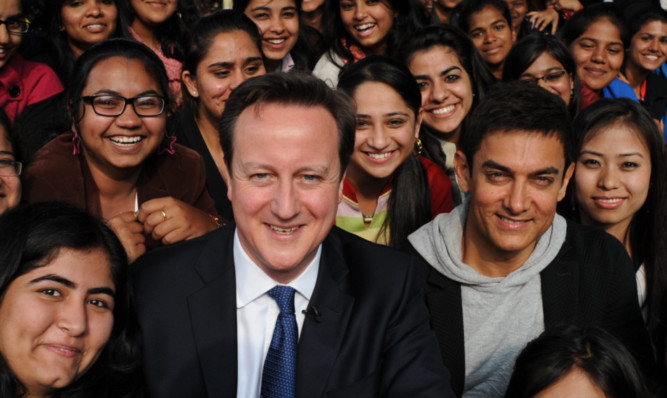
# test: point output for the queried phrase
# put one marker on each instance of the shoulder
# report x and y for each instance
(53, 169)
(39, 76)
(182, 262)
(369, 261)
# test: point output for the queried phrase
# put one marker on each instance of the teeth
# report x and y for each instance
(125, 140)
(610, 200)
(94, 26)
(365, 26)
(382, 155)
(283, 230)
(275, 41)
(651, 57)
(442, 111)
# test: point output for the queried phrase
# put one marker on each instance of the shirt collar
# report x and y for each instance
(252, 282)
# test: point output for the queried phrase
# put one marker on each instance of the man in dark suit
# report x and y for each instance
(504, 267)
(208, 308)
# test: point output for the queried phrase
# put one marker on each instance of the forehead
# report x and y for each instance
(657, 27)
(5, 143)
(231, 46)
(438, 57)
(602, 30)
(521, 151)
(286, 136)
(120, 74)
(273, 4)
(366, 95)
(545, 61)
(9, 8)
(486, 16)
(615, 138)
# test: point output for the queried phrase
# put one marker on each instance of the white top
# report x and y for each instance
(257, 312)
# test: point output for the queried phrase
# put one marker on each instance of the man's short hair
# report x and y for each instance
(289, 89)
(518, 106)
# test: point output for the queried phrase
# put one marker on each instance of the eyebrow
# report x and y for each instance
(229, 65)
(546, 71)
(490, 164)
(70, 284)
(620, 154)
(112, 92)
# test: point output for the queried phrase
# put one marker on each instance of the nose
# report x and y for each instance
(439, 92)
(608, 178)
(4, 34)
(236, 79)
(277, 25)
(598, 55)
(516, 201)
(378, 139)
(654, 45)
(72, 317)
(94, 10)
(129, 117)
(285, 204)
(544, 84)
(360, 11)
(489, 36)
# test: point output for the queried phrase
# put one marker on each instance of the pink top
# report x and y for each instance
(173, 66)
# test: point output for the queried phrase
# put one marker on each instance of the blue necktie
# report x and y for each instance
(278, 379)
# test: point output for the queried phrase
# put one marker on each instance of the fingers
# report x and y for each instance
(130, 233)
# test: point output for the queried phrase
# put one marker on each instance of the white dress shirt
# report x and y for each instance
(257, 312)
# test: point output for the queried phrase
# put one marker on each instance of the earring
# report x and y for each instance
(76, 140)
(420, 147)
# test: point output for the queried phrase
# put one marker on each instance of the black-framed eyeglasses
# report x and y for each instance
(114, 105)
(550, 77)
(17, 25)
(10, 168)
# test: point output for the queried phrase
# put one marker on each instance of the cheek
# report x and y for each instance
(615, 62)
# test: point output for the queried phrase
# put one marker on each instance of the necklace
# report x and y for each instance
(367, 218)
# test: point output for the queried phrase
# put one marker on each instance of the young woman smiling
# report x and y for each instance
(73, 26)
(118, 164)
(544, 60)
(489, 25)
(619, 185)
(597, 37)
(283, 43)
(224, 51)
(158, 24)
(357, 28)
(647, 52)
(452, 79)
(66, 315)
(388, 190)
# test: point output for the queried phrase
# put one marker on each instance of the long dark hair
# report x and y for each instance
(31, 236)
(409, 200)
(480, 76)
(593, 351)
(529, 49)
(63, 57)
(648, 228)
(410, 18)
(584, 18)
(172, 33)
(124, 48)
(303, 53)
(201, 39)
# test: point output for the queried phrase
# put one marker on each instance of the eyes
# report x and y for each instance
(349, 5)
(480, 32)
(500, 177)
(592, 163)
(263, 179)
(449, 78)
(265, 15)
(364, 123)
(248, 70)
(58, 295)
(589, 45)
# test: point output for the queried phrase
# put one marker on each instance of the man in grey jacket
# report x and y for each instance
(504, 266)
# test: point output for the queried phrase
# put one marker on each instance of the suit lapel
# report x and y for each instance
(213, 316)
(443, 298)
(321, 340)
(559, 287)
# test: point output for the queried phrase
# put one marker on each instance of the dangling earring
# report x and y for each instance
(420, 147)
(76, 140)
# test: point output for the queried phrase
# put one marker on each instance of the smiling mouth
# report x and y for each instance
(595, 71)
(276, 41)
(65, 351)
(444, 110)
(364, 28)
(608, 203)
(283, 231)
(118, 140)
(511, 223)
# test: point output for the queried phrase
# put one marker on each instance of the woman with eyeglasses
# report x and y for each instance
(545, 61)
(118, 163)
(29, 91)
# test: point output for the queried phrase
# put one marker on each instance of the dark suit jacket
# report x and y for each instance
(591, 282)
(372, 338)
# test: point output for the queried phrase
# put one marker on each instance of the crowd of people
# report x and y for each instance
(299, 198)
